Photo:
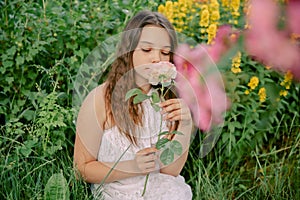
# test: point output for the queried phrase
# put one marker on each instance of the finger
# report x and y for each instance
(146, 158)
(150, 165)
(170, 105)
(174, 115)
(180, 114)
(147, 166)
(168, 102)
(147, 151)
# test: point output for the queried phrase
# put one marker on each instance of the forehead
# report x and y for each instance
(156, 36)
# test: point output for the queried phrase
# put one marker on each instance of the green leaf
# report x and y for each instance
(139, 98)
(156, 107)
(155, 97)
(161, 143)
(26, 148)
(28, 114)
(167, 156)
(11, 51)
(176, 147)
(19, 60)
(177, 132)
(163, 133)
(7, 64)
(57, 188)
(231, 128)
(9, 79)
(132, 93)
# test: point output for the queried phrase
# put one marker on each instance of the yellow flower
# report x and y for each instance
(182, 15)
(204, 7)
(288, 77)
(214, 5)
(247, 92)
(183, 9)
(236, 63)
(262, 94)
(235, 14)
(236, 60)
(161, 9)
(236, 70)
(214, 2)
(215, 15)
(225, 3)
(175, 4)
(235, 5)
(283, 93)
(169, 4)
(178, 29)
(212, 31)
(204, 20)
(253, 82)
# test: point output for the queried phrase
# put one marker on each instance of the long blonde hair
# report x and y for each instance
(126, 115)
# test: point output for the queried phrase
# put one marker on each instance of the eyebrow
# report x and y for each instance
(147, 42)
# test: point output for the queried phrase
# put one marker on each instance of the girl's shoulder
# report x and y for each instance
(99, 92)
(99, 102)
(96, 97)
(93, 106)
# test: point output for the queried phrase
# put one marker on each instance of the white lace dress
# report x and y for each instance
(159, 186)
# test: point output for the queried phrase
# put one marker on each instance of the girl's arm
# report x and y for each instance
(87, 143)
(94, 171)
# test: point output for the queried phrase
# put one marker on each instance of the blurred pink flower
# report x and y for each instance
(200, 85)
(266, 43)
(293, 16)
(225, 38)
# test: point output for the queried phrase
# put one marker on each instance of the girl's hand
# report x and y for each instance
(145, 160)
(176, 110)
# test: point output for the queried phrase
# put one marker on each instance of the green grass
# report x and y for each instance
(260, 174)
(26, 177)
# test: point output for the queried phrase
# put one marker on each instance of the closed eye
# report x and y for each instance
(146, 49)
(166, 53)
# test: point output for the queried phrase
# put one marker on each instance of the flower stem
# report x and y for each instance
(145, 184)
(160, 127)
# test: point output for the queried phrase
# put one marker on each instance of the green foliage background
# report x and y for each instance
(43, 45)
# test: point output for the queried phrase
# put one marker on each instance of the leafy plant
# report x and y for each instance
(57, 188)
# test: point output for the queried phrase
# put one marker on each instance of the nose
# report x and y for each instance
(156, 56)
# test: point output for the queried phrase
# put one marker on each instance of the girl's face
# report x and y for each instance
(154, 46)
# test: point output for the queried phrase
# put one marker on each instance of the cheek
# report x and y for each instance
(166, 58)
(137, 58)
(134, 58)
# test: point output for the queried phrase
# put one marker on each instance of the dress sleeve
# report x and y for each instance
(88, 128)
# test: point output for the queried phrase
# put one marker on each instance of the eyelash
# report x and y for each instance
(163, 52)
(146, 50)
